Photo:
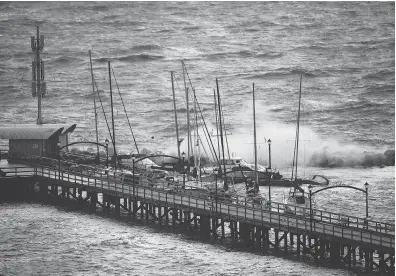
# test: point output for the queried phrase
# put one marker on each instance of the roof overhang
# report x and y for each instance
(46, 131)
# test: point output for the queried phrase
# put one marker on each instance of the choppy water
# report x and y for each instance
(56, 242)
(344, 50)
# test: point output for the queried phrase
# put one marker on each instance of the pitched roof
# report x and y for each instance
(34, 131)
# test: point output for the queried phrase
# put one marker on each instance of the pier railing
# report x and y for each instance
(98, 176)
(3, 154)
(263, 217)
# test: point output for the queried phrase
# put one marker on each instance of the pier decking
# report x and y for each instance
(339, 238)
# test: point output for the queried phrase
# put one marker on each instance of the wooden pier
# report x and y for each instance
(336, 239)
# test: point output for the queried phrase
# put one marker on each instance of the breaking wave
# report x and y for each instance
(65, 60)
(380, 75)
(133, 58)
(351, 158)
(282, 72)
(146, 47)
(270, 55)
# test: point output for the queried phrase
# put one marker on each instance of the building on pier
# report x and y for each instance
(35, 140)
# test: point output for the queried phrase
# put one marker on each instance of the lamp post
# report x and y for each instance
(366, 186)
(184, 171)
(269, 188)
(216, 191)
(133, 174)
(107, 152)
(269, 153)
(270, 175)
(59, 145)
(310, 205)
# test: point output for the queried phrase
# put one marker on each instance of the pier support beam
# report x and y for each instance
(335, 248)
(94, 200)
(204, 223)
(245, 231)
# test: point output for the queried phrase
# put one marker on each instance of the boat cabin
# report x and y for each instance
(35, 140)
(232, 161)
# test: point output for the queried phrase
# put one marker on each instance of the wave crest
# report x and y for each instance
(133, 58)
(326, 158)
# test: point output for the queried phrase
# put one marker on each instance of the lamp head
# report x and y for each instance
(133, 158)
(183, 155)
(269, 141)
(58, 144)
(366, 185)
(310, 188)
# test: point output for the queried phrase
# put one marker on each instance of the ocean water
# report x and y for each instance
(345, 52)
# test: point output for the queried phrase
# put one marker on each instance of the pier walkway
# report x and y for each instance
(323, 233)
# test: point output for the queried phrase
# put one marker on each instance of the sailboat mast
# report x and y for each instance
(112, 120)
(188, 116)
(217, 128)
(94, 101)
(298, 126)
(177, 126)
(254, 131)
(221, 136)
(196, 139)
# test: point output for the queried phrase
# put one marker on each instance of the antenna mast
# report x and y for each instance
(38, 84)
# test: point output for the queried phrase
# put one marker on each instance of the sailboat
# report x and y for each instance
(242, 171)
(297, 195)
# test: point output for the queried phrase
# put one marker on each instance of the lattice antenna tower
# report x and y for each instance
(39, 86)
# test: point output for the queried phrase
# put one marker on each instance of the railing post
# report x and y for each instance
(278, 220)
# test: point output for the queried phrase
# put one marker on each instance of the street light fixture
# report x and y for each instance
(107, 152)
(184, 171)
(269, 172)
(133, 173)
(366, 185)
(216, 192)
(269, 153)
(310, 205)
(58, 145)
